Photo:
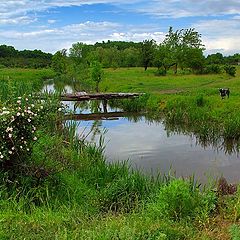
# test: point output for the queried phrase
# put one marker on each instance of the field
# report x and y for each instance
(64, 188)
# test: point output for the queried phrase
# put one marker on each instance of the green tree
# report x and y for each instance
(96, 73)
(147, 52)
(179, 42)
(59, 62)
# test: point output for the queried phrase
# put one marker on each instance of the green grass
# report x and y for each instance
(191, 101)
(73, 193)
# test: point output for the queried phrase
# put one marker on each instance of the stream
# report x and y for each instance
(148, 145)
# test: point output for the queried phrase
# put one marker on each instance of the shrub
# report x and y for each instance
(179, 199)
(230, 70)
(213, 68)
(200, 101)
(18, 125)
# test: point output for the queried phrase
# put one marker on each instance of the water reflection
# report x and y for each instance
(155, 145)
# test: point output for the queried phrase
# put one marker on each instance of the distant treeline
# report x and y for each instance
(181, 49)
(10, 57)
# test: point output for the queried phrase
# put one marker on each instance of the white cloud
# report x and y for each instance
(220, 35)
(190, 8)
(51, 21)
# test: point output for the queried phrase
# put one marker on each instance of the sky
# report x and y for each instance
(51, 25)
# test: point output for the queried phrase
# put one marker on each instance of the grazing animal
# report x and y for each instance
(224, 92)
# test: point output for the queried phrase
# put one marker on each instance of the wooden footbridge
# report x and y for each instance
(83, 96)
(104, 97)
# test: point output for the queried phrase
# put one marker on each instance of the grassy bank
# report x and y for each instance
(61, 187)
(192, 101)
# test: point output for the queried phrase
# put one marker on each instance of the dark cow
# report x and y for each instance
(224, 92)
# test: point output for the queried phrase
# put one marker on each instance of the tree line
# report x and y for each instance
(180, 50)
(10, 57)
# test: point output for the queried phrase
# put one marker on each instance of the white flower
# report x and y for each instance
(23, 114)
(4, 112)
(4, 108)
(41, 107)
(21, 147)
(18, 114)
(19, 97)
(60, 109)
(10, 135)
(35, 138)
(1, 156)
(10, 152)
(13, 148)
(28, 149)
(9, 129)
(32, 105)
(22, 138)
(26, 99)
(18, 101)
(29, 120)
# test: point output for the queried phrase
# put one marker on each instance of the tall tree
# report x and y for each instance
(59, 62)
(147, 52)
(96, 73)
(178, 42)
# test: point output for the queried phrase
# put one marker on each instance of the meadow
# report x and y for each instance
(61, 187)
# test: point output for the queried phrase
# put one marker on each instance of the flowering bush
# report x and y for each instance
(17, 128)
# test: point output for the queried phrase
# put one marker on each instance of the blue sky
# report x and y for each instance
(51, 25)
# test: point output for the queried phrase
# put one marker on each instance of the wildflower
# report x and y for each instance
(29, 120)
(28, 149)
(9, 129)
(22, 138)
(26, 99)
(35, 138)
(4, 112)
(23, 114)
(18, 101)
(19, 97)
(32, 105)
(21, 146)
(10, 135)
(18, 114)
(60, 109)
(10, 152)
(13, 148)
(1, 156)
(41, 107)
(4, 108)
(25, 142)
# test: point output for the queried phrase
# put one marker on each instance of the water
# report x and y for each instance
(149, 146)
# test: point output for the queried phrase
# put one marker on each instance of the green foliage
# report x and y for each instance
(147, 52)
(213, 68)
(178, 200)
(96, 73)
(230, 70)
(59, 62)
(200, 101)
(235, 232)
(10, 57)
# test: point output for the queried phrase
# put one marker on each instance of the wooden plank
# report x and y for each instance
(99, 116)
(82, 96)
